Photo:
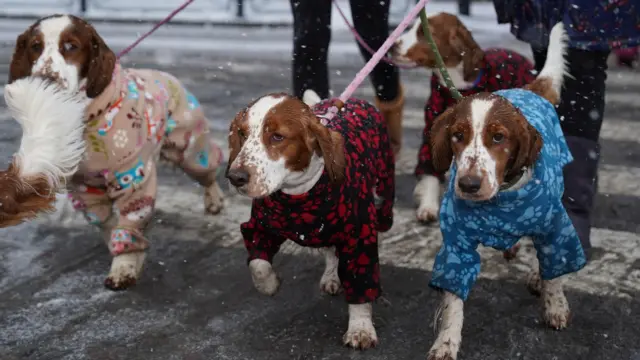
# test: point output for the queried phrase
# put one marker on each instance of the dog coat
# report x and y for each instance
(534, 210)
(344, 215)
(141, 115)
(502, 69)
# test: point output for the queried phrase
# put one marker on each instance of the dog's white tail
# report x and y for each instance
(555, 67)
(51, 118)
(310, 97)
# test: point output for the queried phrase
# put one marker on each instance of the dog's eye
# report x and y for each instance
(36, 47)
(498, 138)
(69, 47)
(242, 134)
(277, 137)
(458, 136)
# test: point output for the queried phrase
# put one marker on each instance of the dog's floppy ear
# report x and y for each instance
(235, 137)
(20, 65)
(440, 141)
(331, 146)
(528, 148)
(472, 54)
(101, 64)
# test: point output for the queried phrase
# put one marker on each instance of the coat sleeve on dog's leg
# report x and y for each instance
(259, 243)
(134, 209)
(93, 203)
(385, 186)
(359, 267)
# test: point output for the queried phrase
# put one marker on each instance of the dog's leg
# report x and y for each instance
(330, 282)
(534, 282)
(511, 253)
(361, 334)
(449, 337)
(427, 196)
(125, 270)
(213, 198)
(200, 161)
(264, 278)
(555, 305)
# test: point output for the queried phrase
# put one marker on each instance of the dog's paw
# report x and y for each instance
(330, 283)
(444, 351)
(556, 310)
(264, 278)
(120, 281)
(213, 200)
(125, 270)
(427, 213)
(361, 337)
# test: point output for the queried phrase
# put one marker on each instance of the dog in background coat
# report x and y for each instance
(472, 70)
(131, 119)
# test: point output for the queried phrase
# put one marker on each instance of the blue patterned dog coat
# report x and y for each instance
(535, 210)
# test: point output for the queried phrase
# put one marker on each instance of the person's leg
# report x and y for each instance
(371, 20)
(581, 112)
(311, 37)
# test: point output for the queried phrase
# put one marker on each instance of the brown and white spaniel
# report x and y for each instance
(128, 119)
(499, 176)
(322, 182)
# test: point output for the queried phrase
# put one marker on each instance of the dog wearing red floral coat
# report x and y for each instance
(321, 182)
(472, 70)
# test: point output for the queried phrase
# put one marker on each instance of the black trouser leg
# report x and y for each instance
(371, 21)
(311, 37)
(581, 112)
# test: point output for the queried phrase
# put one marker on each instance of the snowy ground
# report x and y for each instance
(195, 299)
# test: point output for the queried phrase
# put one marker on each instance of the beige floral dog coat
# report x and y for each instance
(141, 116)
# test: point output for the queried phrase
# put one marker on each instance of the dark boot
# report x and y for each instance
(580, 186)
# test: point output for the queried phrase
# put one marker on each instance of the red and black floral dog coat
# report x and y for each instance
(502, 69)
(342, 215)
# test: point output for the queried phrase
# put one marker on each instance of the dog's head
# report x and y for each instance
(490, 140)
(66, 49)
(276, 142)
(455, 44)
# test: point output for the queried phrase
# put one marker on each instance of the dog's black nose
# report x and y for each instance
(470, 184)
(238, 177)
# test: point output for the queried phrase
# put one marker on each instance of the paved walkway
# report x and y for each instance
(196, 301)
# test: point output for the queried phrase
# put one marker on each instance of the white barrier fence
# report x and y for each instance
(232, 11)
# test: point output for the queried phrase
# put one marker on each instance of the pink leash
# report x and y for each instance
(164, 21)
(364, 43)
(377, 56)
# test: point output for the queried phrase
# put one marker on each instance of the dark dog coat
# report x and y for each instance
(341, 215)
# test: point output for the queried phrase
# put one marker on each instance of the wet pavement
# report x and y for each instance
(195, 299)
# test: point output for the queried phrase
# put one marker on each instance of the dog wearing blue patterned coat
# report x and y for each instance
(506, 152)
